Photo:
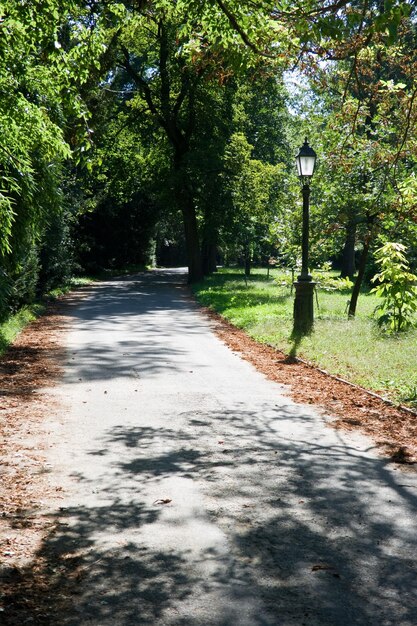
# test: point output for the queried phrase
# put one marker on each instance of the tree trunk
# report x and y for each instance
(348, 258)
(209, 254)
(195, 269)
(185, 202)
(359, 279)
(176, 116)
(247, 261)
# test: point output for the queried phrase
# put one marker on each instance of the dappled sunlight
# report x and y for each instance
(355, 349)
(302, 509)
(198, 494)
(128, 320)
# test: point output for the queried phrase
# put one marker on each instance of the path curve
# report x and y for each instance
(198, 494)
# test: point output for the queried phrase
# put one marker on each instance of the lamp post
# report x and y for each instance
(304, 286)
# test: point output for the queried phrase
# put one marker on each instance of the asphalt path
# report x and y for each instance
(196, 493)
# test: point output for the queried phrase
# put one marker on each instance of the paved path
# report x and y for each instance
(274, 519)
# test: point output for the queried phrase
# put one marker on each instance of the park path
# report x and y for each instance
(273, 517)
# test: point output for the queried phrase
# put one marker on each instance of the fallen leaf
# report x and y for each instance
(320, 566)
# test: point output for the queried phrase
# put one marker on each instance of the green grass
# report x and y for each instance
(353, 349)
(73, 283)
(16, 323)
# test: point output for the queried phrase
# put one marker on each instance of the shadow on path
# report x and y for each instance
(318, 529)
(306, 531)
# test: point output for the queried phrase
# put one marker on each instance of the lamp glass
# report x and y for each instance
(305, 165)
(306, 161)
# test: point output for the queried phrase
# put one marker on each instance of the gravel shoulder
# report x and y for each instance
(153, 476)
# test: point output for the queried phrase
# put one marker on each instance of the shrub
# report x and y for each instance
(396, 285)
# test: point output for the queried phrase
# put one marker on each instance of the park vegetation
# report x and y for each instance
(360, 351)
(153, 131)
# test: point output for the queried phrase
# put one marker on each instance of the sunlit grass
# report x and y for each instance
(73, 283)
(16, 323)
(353, 349)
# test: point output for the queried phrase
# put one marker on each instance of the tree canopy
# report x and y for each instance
(172, 126)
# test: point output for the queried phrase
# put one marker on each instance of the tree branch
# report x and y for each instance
(163, 71)
(141, 84)
(235, 24)
(394, 165)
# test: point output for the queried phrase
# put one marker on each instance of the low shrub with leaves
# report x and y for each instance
(401, 391)
(396, 285)
(328, 281)
(331, 283)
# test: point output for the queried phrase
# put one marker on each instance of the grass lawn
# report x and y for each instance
(356, 350)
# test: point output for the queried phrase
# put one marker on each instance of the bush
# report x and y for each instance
(5, 294)
(18, 286)
(56, 254)
(397, 288)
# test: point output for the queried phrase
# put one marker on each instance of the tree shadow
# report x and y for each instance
(269, 519)
(309, 527)
(126, 585)
(296, 338)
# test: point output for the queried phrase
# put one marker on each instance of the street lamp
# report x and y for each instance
(304, 286)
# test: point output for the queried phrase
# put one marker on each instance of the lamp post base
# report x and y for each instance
(303, 307)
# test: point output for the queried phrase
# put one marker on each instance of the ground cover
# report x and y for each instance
(30, 591)
(356, 350)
